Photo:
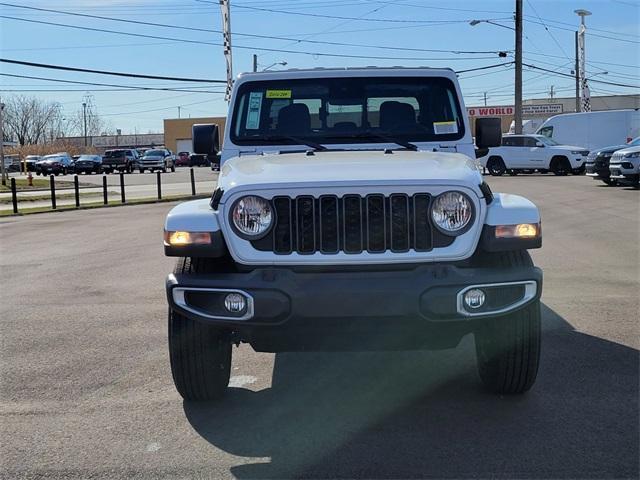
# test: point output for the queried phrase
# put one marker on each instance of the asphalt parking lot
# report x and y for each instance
(87, 391)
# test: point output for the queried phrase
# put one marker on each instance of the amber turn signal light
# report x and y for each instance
(180, 239)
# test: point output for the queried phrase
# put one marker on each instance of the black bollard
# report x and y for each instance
(159, 185)
(52, 183)
(122, 187)
(14, 195)
(76, 189)
(193, 183)
(104, 190)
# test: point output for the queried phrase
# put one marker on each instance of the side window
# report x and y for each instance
(529, 142)
(546, 131)
(518, 141)
(507, 142)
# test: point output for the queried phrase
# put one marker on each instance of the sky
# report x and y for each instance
(367, 32)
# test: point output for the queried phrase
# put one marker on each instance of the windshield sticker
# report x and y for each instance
(443, 128)
(278, 93)
(253, 114)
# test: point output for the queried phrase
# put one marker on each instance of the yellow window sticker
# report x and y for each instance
(440, 128)
(278, 93)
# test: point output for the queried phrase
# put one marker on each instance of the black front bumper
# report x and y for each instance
(327, 310)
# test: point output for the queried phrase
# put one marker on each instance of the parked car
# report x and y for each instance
(625, 166)
(182, 159)
(157, 159)
(120, 159)
(593, 130)
(55, 164)
(12, 163)
(597, 165)
(30, 162)
(354, 233)
(528, 153)
(88, 164)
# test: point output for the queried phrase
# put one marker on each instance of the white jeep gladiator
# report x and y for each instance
(350, 214)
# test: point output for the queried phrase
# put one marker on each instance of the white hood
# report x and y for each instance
(349, 167)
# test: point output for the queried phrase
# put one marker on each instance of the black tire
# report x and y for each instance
(141, 170)
(508, 347)
(200, 356)
(579, 171)
(173, 169)
(496, 166)
(612, 182)
(560, 166)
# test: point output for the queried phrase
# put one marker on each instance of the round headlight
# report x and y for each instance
(452, 212)
(252, 216)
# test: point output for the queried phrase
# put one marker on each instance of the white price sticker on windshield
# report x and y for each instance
(443, 128)
(253, 113)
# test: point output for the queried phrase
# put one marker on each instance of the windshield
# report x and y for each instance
(547, 141)
(346, 110)
(113, 153)
(154, 153)
(88, 157)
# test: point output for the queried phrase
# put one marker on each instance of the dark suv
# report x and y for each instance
(123, 160)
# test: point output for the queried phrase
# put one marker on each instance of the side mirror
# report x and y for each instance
(205, 138)
(488, 132)
(540, 144)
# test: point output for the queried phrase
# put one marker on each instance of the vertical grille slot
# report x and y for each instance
(376, 223)
(399, 223)
(329, 224)
(423, 240)
(305, 207)
(352, 218)
(283, 230)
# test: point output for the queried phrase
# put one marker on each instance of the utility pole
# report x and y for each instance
(577, 72)
(551, 93)
(485, 99)
(517, 118)
(178, 111)
(225, 10)
(84, 119)
(2, 169)
(255, 62)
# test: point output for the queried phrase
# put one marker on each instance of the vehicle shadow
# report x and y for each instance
(425, 415)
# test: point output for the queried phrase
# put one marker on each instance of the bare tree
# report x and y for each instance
(30, 120)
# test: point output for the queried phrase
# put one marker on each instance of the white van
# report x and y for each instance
(530, 125)
(593, 130)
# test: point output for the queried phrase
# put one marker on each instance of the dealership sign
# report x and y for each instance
(546, 109)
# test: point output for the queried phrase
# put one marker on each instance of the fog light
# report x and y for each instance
(235, 303)
(474, 298)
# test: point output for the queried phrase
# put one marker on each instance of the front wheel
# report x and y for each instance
(612, 182)
(560, 166)
(200, 359)
(508, 347)
(496, 166)
(173, 169)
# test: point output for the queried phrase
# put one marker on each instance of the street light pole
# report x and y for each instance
(585, 100)
(517, 118)
(255, 62)
(84, 119)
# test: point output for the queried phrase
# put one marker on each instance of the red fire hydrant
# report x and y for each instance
(30, 179)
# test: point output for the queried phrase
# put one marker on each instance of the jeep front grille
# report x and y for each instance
(373, 223)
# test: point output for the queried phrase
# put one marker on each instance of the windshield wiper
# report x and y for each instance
(388, 138)
(316, 146)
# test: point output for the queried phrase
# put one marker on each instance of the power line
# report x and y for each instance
(246, 47)
(571, 76)
(105, 84)
(269, 37)
(548, 31)
(105, 72)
